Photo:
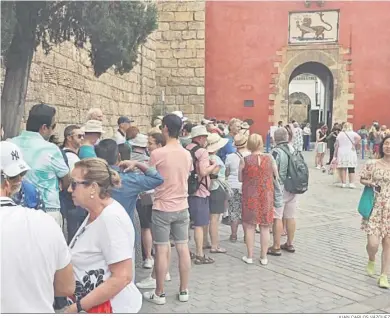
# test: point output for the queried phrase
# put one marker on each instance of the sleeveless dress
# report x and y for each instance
(258, 190)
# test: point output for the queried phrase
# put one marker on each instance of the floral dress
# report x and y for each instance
(258, 190)
(379, 222)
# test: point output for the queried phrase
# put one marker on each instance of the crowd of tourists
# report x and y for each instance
(89, 211)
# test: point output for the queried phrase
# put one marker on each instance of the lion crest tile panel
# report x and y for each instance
(313, 27)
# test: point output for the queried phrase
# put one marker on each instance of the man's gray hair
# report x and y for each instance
(281, 135)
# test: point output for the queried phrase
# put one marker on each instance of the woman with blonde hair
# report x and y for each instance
(345, 154)
(103, 248)
(257, 172)
(232, 165)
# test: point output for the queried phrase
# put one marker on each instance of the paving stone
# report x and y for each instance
(326, 274)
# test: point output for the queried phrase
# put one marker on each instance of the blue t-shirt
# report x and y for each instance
(227, 149)
(87, 151)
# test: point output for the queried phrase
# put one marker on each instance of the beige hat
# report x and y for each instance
(240, 141)
(160, 117)
(93, 126)
(140, 140)
(199, 131)
(215, 142)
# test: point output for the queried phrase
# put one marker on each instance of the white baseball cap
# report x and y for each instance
(12, 163)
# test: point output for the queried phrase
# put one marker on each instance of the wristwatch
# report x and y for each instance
(80, 309)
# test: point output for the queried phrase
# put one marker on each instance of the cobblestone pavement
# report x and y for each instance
(325, 275)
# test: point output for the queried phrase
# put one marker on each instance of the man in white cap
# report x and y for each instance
(36, 260)
(198, 201)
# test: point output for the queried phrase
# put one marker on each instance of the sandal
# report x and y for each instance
(274, 252)
(192, 255)
(233, 238)
(218, 250)
(288, 248)
(200, 260)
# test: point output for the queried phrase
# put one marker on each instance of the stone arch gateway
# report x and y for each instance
(331, 57)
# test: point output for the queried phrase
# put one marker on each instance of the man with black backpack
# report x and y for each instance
(294, 174)
(198, 190)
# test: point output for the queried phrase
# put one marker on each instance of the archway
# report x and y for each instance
(331, 62)
(322, 109)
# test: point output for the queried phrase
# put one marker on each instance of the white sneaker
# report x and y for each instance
(153, 298)
(147, 283)
(247, 260)
(168, 277)
(352, 186)
(264, 261)
(184, 296)
(343, 185)
(318, 168)
(148, 263)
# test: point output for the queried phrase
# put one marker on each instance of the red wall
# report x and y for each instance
(241, 43)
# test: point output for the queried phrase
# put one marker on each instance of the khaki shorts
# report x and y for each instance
(165, 223)
(288, 210)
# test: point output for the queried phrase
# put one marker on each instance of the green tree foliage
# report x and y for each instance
(114, 29)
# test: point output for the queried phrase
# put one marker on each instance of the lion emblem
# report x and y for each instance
(318, 30)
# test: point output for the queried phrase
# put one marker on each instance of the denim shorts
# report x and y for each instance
(165, 223)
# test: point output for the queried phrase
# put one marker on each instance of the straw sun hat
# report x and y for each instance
(215, 142)
(240, 141)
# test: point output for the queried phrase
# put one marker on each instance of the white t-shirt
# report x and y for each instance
(33, 248)
(107, 240)
(119, 138)
(232, 163)
(72, 158)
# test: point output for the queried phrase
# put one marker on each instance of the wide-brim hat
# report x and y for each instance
(12, 162)
(140, 140)
(179, 113)
(240, 141)
(93, 126)
(198, 131)
(215, 142)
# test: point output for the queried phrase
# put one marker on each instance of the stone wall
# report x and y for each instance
(180, 57)
(64, 78)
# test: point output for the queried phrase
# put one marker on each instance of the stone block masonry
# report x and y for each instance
(172, 60)
(180, 57)
(64, 78)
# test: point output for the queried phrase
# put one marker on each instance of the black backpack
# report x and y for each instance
(297, 180)
(193, 181)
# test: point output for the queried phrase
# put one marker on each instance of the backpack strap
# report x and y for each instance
(66, 150)
(239, 155)
(194, 161)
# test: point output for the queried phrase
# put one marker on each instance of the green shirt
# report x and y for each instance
(47, 166)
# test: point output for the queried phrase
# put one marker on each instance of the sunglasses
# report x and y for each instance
(79, 136)
(74, 184)
(52, 127)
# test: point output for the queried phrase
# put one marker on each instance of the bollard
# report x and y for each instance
(268, 143)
